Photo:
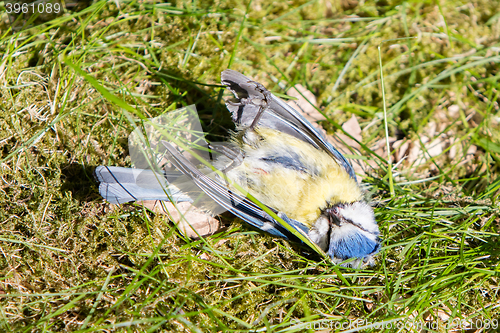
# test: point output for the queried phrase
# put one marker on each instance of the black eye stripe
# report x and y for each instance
(334, 217)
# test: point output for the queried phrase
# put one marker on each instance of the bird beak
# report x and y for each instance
(334, 215)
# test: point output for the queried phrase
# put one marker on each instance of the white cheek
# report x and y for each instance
(319, 232)
(346, 230)
(361, 213)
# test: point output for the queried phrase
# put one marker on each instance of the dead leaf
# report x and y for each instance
(307, 109)
(190, 220)
(380, 147)
(453, 148)
(453, 111)
(441, 314)
(402, 151)
(471, 151)
(348, 4)
(204, 256)
(435, 148)
(431, 129)
(352, 127)
(369, 306)
(432, 149)
(413, 152)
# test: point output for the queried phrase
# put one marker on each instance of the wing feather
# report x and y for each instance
(233, 202)
(278, 115)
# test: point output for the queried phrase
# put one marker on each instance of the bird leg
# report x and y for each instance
(261, 102)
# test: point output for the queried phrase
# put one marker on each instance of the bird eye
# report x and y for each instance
(332, 216)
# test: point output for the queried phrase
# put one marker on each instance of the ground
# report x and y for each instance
(72, 262)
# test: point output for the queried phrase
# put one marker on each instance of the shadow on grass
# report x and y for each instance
(79, 180)
(185, 90)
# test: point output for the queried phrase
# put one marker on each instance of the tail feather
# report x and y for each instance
(119, 185)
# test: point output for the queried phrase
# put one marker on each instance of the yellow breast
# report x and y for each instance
(292, 176)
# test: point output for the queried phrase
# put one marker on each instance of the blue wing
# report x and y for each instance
(278, 115)
(236, 204)
(120, 185)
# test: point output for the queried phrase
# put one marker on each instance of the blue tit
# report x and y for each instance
(279, 158)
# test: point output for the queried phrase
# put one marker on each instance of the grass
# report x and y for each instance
(71, 262)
